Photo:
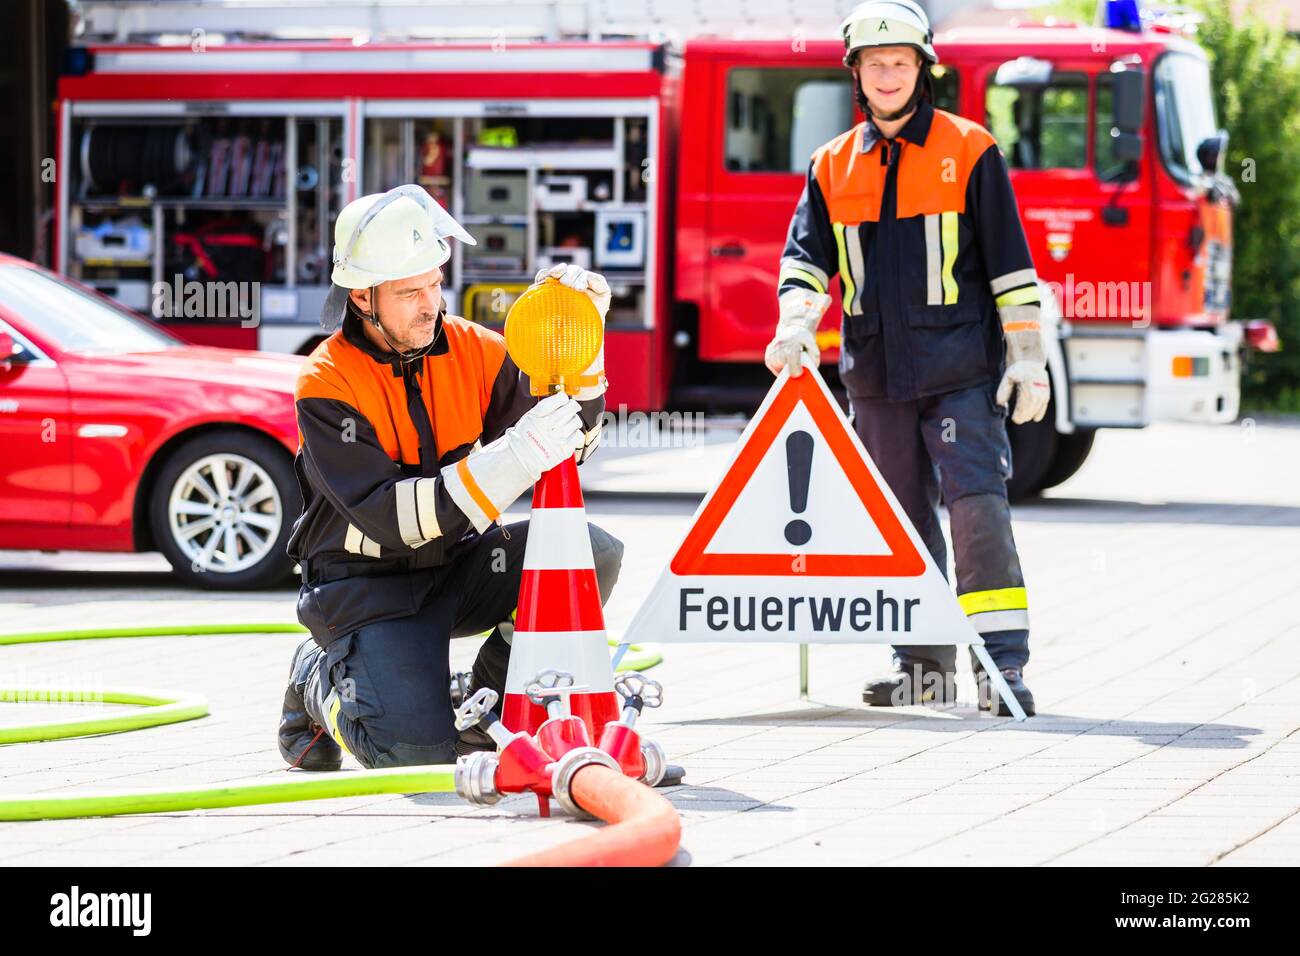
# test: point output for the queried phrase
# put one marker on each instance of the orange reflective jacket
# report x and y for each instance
(924, 233)
(374, 433)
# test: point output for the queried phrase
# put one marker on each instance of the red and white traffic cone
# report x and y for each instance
(560, 624)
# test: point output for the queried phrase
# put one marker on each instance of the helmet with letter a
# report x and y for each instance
(386, 236)
(887, 23)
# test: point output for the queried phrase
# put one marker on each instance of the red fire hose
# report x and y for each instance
(644, 828)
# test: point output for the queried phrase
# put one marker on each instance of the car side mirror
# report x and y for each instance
(9, 352)
(1211, 152)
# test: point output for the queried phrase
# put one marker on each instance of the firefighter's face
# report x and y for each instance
(887, 75)
(408, 308)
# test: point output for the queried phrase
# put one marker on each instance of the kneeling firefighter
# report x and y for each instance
(416, 431)
(913, 209)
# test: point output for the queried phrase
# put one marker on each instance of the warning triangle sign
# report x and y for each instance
(826, 473)
(801, 541)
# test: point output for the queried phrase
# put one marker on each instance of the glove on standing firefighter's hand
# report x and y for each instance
(796, 331)
(488, 481)
(1027, 372)
(597, 289)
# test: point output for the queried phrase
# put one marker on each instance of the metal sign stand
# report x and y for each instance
(979, 650)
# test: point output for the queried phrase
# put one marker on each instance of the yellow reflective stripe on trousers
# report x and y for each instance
(789, 272)
(333, 716)
(949, 231)
(987, 622)
(1001, 599)
(845, 277)
(1018, 296)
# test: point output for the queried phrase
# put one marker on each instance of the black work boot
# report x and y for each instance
(489, 670)
(473, 740)
(673, 776)
(303, 741)
(1015, 681)
(911, 684)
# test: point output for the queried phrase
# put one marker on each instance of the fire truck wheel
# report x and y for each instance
(222, 508)
(1071, 452)
(1033, 447)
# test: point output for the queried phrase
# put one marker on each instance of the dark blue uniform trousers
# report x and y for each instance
(391, 679)
(955, 444)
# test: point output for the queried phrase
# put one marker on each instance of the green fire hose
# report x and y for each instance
(274, 788)
(153, 708)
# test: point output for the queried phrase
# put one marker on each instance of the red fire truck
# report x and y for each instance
(674, 171)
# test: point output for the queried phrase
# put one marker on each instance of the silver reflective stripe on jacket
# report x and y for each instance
(358, 543)
(417, 520)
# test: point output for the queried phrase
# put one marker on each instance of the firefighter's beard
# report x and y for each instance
(420, 332)
(415, 338)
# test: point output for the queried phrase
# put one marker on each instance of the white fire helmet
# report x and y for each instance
(887, 23)
(386, 236)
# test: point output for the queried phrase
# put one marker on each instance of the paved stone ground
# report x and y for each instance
(1166, 663)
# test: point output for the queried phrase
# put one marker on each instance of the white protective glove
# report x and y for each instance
(796, 331)
(597, 289)
(1027, 373)
(486, 482)
(576, 277)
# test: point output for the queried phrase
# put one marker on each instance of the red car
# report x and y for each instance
(116, 436)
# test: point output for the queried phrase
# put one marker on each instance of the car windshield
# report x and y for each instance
(76, 320)
(1184, 112)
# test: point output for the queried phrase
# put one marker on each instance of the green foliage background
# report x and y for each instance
(1256, 71)
(1256, 81)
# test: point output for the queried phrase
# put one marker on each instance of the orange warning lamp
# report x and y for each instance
(554, 333)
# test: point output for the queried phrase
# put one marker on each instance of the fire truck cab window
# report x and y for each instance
(1184, 112)
(1041, 126)
(777, 117)
(1103, 159)
(944, 80)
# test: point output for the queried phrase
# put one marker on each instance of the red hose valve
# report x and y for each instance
(562, 731)
(641, 760)
(482, 778)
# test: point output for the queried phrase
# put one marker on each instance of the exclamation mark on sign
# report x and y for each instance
(798, 469)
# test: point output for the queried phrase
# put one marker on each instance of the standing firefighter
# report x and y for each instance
(913, 209)
(417, 430)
